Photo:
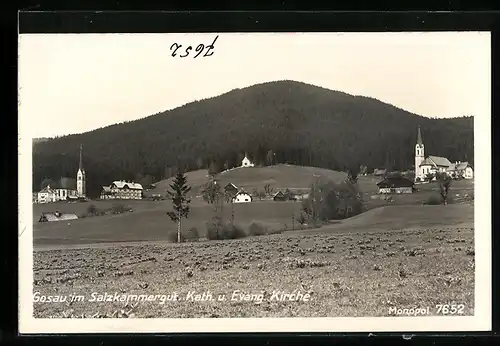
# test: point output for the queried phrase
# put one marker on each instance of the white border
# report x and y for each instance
(481, 321)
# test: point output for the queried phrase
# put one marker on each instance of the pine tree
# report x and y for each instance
(180, 201)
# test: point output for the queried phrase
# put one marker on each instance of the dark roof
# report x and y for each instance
(231, 185)
(419, 136)
(395, 181)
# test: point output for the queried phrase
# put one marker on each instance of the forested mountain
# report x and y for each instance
(283, 121)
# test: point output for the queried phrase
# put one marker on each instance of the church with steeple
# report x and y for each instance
(430, 165)
(80, 177)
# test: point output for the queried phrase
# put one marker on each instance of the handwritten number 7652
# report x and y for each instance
(183, 53)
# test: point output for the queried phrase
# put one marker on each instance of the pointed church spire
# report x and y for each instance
(419, 136)
(81, 158)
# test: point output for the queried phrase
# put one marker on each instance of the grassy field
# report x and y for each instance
(154, 224)
(346, 272)
(150, 216)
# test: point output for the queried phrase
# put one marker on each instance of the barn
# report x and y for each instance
(279, 196)
(56, 216)
(242, 197)
(396, 184)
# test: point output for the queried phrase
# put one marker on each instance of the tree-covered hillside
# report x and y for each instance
(283, 121)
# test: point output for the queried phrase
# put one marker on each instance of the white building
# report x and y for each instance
(461, 169)
(81, 184)
(246, 162)
(433, 165)
(242, 197)
(50, 195)
(436, 164)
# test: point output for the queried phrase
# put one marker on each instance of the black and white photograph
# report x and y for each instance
(255, 182)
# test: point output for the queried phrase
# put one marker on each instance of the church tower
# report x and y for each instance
(80, 177)
(419, 155)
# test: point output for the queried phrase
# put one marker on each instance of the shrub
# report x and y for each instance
(301, 219)
(257, 229)
(92, 209)
(216, 230)
(234, 232)
(433, 200)
(118, 208)
(172, 236)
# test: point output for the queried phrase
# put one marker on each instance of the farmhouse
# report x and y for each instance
(50, 195)
(246, 162)
(56, 216)
(395, 184)
(436, 164)
(242, 197)
(279, 196)
(344, 208)
(121, 189)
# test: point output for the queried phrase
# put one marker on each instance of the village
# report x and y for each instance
(387, 184)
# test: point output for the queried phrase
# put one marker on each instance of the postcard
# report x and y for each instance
(255, 182)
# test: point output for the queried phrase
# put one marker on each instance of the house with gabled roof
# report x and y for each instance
(395, 184)
(461, 170)
(279, 196)
(51, 194)
(57, 216)
(242, 197)
(435, 164)
(231, 189)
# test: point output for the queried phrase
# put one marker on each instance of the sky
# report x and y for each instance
(73, 83)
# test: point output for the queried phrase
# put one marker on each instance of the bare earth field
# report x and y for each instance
(362, 269)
